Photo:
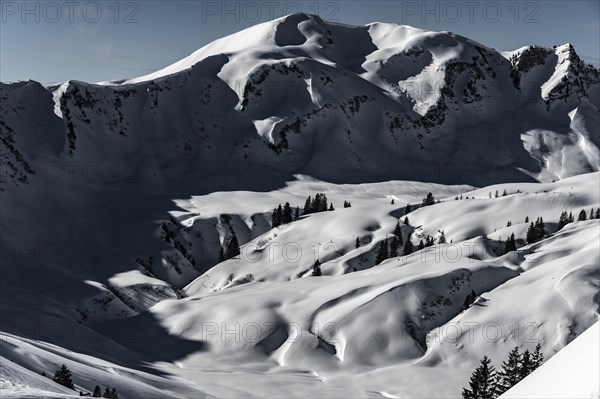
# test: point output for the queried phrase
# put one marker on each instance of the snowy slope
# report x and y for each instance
(117, 198)
(579, 360)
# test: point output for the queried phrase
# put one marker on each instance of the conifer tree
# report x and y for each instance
(286, 214)
(510, 244)
(393, 201)
(276, 219)
(481, 384)
(508, 224)
(428, 200)
(421, 245)
(442, 239)
(331, 208)
(510, 373)
(591, 213)
(316, 268)
(398, 232)
(357, 244)
(562, 221)
(526, 365)
(393, 248)
(382, 252)
(531, 234)
(62, 376)
(540, 229)
(323, 206)
(407, 209)
(582, 216)
(307, 206)
(97, 392)
(408, 246)
(496, 195)
(504, 193)
(597, 214)
(537, 358)
(571, 219)
(526, 219)
(406, 220)
(221, 255)
(297, 213)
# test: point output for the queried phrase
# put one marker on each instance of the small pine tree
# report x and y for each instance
(398, 232)
(331, 207)
(531, 235)
(504, 193)
(428, 200)
(526, 219)
(286, 214)
(597, 216)
(582, 216)
(233, 248)
(357, 244)
(571, 219)
(540, 229)
(62, 376)
(406, 222)
(347, 204)
(526, 365)
(421, 245)
(276, 217)
(510, 373)
(307, 206)
(563, 220)
(482, 382)
(508, 224)
(97, 392)
(317, 268)
(489, 194)
(496, 195)
(442, 239)
(393, 248)
(407, 209)
(537, 358)
(408, 246)
(382, 252)
(297, 213)
(591, 213)
(510, 244)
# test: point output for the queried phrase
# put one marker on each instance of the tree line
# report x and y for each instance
(63, 376)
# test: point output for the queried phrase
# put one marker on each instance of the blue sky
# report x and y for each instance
(54, 41)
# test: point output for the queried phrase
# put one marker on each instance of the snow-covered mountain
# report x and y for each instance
(117, 198)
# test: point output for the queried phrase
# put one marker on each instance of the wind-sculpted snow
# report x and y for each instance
(121, 201)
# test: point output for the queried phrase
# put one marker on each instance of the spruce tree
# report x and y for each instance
(408, 246)
(538, 357)
(591, 213)
(233, 248)
(286, 214)
(508, 224)
(482, 380)
(496, 195)
(357, 244)
(540, 229)
(407, 210)
(509, 244)
(406, 222)
(97, 392)
(597, 214)
(531, 236)
(526, 365)
(393, 248)
(510, 373)
(571, 219)
(504, 193)
(421, 245)
(316, 268)
(582, 216)
(297, 213)
(62, 376)
(275, 218)
(442, 239)
(562, 221)
(428, 200)
(331, 208)
(307, 206)
(323, 206)
(382, 252)
(526, 219)
(398, 232)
